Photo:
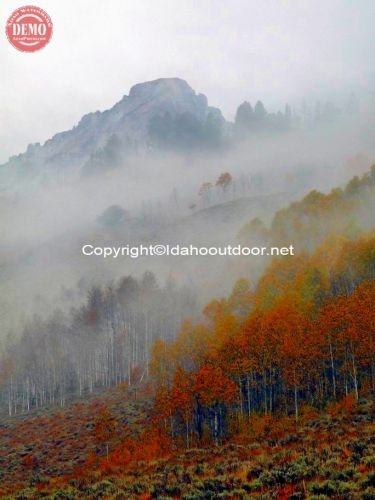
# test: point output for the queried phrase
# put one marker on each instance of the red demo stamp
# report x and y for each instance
(29, 28)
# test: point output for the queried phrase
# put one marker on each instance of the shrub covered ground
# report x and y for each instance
(330, 455)
(51, 443)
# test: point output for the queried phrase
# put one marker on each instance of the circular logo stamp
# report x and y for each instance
(29, 28)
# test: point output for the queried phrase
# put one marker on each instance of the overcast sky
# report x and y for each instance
(231, 50)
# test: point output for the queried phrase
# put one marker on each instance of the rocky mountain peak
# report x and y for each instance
(103, 139)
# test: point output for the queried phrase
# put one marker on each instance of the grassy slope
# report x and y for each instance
(329, 456)
(53, 443)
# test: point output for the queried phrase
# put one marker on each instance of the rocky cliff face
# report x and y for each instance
(164, 113)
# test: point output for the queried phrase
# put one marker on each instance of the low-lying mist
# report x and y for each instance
(163, 201)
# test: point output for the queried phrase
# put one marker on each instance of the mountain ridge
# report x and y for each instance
(104, 139)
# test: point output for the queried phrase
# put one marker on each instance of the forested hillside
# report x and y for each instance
(234, 404)
(305, 335)
(104, 342)
(101, 342)
(308, 222)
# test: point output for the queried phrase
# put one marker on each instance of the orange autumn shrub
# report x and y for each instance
(344, 407)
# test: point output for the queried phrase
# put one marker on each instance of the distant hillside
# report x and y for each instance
(308, 222)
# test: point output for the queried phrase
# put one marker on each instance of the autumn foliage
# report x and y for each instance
(303, 338)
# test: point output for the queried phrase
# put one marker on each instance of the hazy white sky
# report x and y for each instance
(231, 50)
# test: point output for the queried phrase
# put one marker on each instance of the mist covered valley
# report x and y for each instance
(161, 167)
